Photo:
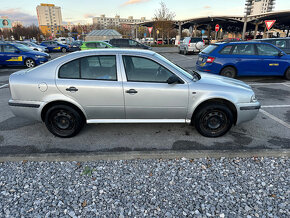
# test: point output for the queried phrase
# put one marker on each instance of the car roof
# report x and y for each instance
(112, 51)
(240, 42)
(287, 38)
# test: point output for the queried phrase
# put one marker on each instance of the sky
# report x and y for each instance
(82, 11)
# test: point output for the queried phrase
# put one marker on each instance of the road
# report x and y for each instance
(271, 128)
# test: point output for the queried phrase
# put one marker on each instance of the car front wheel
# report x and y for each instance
(229, 72)
(213, 120)
(63, 50)
(29, 63)
(63, 121)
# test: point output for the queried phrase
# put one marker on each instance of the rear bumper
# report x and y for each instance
(26, 109)
(247, 111)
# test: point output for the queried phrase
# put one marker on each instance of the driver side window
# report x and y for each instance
(139, 69)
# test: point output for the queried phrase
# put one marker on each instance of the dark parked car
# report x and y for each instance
(128, 43)
(282, 43)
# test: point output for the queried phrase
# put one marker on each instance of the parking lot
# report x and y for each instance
(270, 129)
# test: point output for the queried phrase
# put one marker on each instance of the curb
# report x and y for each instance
(143, 155)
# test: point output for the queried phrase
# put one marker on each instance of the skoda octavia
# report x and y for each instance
(128, 86)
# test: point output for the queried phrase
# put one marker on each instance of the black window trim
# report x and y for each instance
(123, 55)
(79, 60)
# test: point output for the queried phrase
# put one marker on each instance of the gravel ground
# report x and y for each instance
(240, 187)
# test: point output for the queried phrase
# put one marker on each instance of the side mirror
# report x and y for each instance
(280, 54)
(173, 79)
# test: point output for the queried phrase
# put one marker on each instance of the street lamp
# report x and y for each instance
(248, 9)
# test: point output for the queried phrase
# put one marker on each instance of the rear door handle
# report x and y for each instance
(72, 89)
(131, 91)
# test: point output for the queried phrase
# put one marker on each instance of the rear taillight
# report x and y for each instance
(210, 60)
(189, 42)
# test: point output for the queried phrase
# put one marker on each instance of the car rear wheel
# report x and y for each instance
(29, 63)
(63, 50)
(287, 74)
(229, 72)
(63, 121)
(213, 120)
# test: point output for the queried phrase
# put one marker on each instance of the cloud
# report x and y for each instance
(132, 2)
(89, 16)
(207, 7)
(15, 14)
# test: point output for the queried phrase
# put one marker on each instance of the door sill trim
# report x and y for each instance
(137, 121)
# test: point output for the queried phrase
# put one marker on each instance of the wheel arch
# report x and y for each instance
(61, 102)
(228, 103)
(229, 65)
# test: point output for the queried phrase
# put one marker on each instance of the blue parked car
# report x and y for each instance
(244, 59)
(53, 46)
(18, 54)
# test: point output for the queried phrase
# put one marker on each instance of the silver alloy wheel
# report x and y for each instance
(29, 63)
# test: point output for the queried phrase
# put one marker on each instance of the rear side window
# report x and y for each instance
(226, 50)
(70, 70)
(91, 67)
(244, 49)
(280, 43)
(209, 49)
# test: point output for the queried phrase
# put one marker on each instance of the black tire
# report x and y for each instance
(229, 72)
(213, 120)
(29, 63)
(63, 50)
(287, 74)
(63, 121)
(185, 52)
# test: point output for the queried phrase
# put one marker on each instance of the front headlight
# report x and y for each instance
(253, 98)
(39, 56)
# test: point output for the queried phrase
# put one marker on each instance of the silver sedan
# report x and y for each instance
(128, 86)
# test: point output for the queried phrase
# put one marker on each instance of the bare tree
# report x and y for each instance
(164, 21)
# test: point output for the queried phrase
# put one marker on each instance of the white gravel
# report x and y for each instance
(240, 187)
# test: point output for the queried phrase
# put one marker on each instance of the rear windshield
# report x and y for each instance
(209, 49)
(193, 40)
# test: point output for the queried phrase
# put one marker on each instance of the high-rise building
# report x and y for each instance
(261, 6)
(49, 19)
(106, 22)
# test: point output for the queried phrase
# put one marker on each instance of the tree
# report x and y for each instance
(163, 21)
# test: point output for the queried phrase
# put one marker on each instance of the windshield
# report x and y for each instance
(180, 69)
(22, 47)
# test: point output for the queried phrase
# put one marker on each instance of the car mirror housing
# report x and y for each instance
(280, 54)
(173, 79)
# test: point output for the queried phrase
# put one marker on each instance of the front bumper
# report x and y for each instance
(247, 111)
(26, 109)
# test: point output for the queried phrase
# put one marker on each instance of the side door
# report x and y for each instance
(1, 55)
(273, 64)
(12, 55)
(247, 62)
(147, 93)
(93, 82)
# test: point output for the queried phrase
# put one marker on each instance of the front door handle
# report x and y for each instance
(72, 89)
(131, 91)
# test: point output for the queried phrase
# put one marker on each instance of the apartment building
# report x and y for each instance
(105, 22)
(49, 19)
(262, 6)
